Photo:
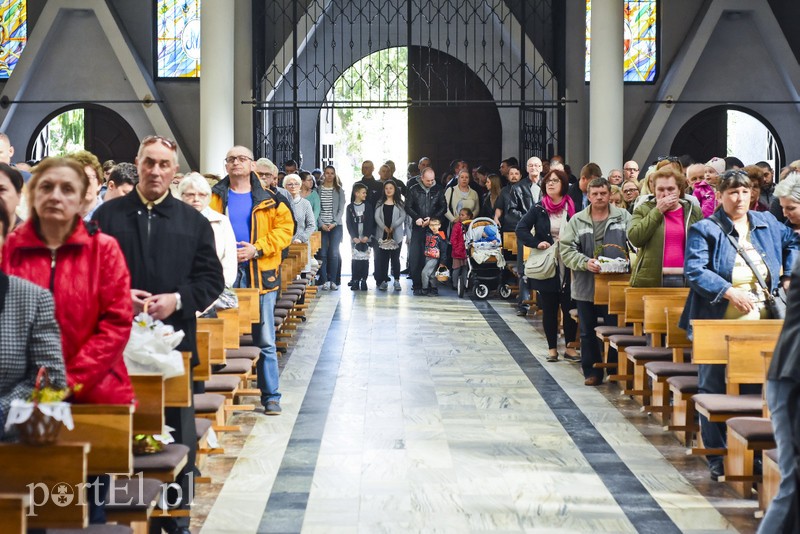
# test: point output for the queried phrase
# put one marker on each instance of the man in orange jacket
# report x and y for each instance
(263, 226)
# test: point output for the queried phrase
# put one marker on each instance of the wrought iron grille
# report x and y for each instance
(303, 46)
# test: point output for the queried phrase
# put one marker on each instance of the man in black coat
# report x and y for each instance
(170, 252)
(424, 202)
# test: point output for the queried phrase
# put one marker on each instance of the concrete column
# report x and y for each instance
(216, 83)
(243, 74)
(606, 89)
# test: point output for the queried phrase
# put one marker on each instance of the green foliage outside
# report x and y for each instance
(373, 133)
(66, 133)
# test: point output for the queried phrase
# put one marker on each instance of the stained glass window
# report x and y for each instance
(178, 35)
(641, 46)
(13, 34)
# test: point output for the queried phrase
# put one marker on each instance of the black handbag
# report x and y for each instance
(775, 301)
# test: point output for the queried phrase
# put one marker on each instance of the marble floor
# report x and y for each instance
(421, 414)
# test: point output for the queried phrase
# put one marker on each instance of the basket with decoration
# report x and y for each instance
(612, 265)
(38, 420)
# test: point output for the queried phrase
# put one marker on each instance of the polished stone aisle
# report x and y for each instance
(407, 414)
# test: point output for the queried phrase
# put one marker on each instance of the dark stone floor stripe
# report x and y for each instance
(639, 506)
(287, 502)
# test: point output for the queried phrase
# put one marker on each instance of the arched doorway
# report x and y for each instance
(100, 130)
(405, 117)
(472, 132)
(730, 131)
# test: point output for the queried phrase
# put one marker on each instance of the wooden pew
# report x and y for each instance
(744, 366)
(710, 346)
(108, 428)
(675, 338)
(13, 512)
(149, 415)
(654, 325)
(747, 435)
(216, 342)
(48, 467)
(178, 389)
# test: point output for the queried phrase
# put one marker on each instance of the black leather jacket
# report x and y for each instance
(422, 203)
(521, 199)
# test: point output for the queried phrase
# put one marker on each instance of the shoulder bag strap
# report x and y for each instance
(746, 259)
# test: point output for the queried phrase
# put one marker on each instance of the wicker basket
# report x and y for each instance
(39, 429)
(613, 267)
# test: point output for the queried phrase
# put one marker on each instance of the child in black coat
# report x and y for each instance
(360, 222)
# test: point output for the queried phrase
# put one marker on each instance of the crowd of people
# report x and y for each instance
(85, 246)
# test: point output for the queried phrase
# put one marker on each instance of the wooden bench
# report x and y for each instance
(659, 372)
(747, 436)
(616, 306)
(744, 366)
(108, 429)
(48, 468)
(14, 512)
(654, 326)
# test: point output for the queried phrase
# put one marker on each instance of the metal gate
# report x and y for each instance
(301, 47)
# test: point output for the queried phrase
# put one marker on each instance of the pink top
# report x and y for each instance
(674, 238)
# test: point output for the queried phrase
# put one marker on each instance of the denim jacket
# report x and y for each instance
(710, 257)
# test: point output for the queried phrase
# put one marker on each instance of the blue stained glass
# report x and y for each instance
(13, 34)
(178, 38)
(641, 46)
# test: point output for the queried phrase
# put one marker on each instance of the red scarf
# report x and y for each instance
(554, 209)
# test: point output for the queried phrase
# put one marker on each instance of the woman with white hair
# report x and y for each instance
(788, 194)
(303, 212)
(195, 191)
(306, 224)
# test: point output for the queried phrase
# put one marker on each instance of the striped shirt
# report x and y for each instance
(326, 205)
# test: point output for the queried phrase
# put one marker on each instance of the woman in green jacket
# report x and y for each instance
(659, 228)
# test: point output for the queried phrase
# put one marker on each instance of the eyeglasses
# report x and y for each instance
(260, 174)
(291, 184)
(166, 141)
(241, 159)
(667, 158)
(553, 181)
(631, 169)
(195, 195)
(629, 190)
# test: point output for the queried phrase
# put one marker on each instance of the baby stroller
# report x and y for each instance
(485, 263)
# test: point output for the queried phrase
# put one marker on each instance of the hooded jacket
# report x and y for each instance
(91, 286)
(646, 232)
(271, 230)
(577, 243)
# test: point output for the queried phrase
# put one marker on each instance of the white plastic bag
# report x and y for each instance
(150, 348)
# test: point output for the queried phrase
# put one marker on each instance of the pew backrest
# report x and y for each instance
(709, 345)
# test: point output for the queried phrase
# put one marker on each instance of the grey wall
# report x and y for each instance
(677, 19)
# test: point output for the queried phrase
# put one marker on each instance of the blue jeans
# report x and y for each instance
(329, 255)
(588, 313)
(780, 516)
(264, 338)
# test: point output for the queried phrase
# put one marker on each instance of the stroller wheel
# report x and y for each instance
(461, 286)
(505, 291)
(480, 291)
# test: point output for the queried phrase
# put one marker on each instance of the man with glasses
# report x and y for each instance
(263, 225)
(631, 170)
(170, 251)
(630, 192)
(267, 173)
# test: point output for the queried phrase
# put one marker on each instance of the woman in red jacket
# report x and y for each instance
(86, 272)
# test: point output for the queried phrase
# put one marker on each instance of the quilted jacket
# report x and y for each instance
(90, 283)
